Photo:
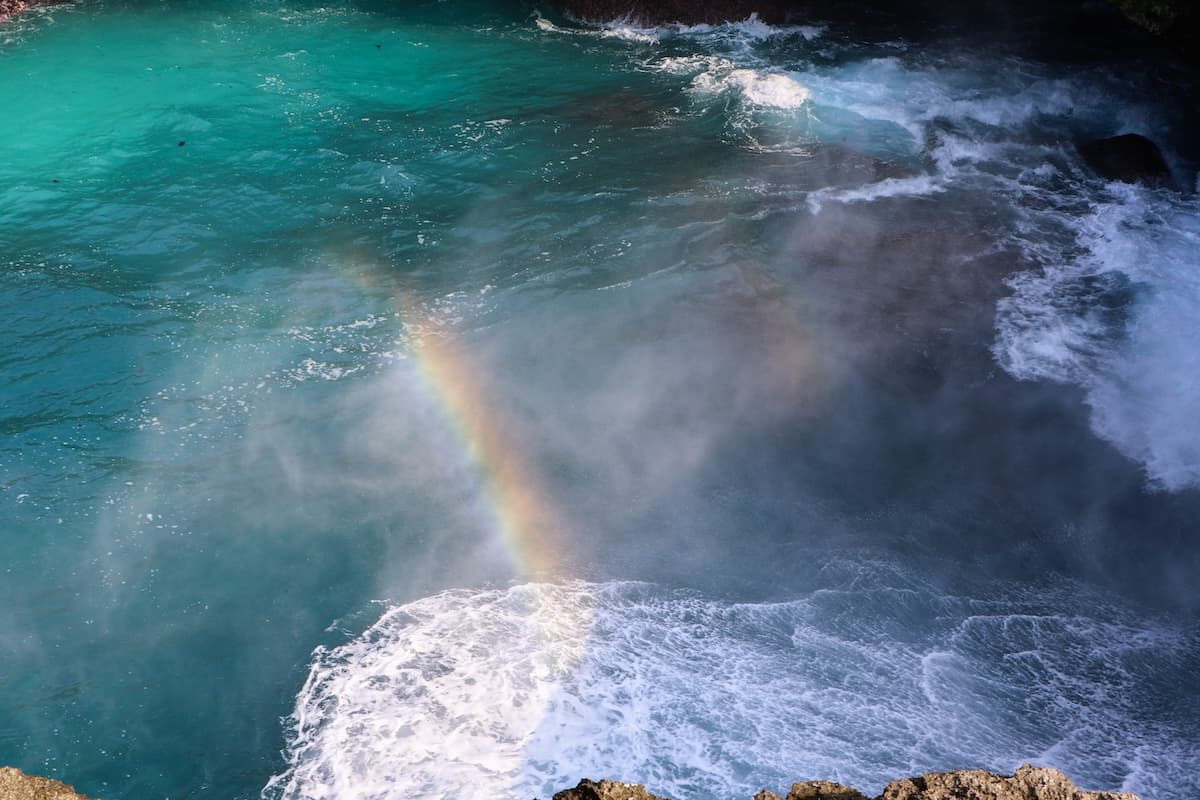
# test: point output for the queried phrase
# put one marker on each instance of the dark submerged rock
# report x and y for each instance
(836, 165)
(1131, 158)
(1174, 20)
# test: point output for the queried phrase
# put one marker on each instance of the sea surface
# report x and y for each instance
(451, 399)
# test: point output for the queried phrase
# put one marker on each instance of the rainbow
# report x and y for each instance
(520, 513)
(523, 515)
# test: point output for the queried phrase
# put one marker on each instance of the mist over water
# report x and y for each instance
(449, 399)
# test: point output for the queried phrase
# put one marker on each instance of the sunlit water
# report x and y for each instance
(445, 400)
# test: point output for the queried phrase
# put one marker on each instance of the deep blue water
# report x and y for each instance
(439, 399)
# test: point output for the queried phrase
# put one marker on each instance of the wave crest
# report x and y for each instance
(517, 692)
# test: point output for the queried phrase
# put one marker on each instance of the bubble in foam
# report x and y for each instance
(519, 692)
(752, 28)
(629, 34)
(692, 64)
(438, 699)
(743, 32)
(758, 88)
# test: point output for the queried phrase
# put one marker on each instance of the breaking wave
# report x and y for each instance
(519, 692)
(1117, 320)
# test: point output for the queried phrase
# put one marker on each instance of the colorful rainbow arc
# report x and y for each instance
(525, 518)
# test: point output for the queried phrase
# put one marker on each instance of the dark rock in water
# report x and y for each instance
(16, 785)
(623, 109)
(606, 790)
(10, 7)
(835, 165)
(815, 790)
(687, 12)
(1131, 158)
(1174, 20)
(1028, 783)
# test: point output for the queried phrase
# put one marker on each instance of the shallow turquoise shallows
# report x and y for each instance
(448, 399)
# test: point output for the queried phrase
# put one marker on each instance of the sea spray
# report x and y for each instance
(516, 692)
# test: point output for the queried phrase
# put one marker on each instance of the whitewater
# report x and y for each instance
(457, 399)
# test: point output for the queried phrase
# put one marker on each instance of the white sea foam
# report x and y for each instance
(915, 186)
(622, 29)
(752, 28)
(694, 64)
(758, 88)
(1117, 319)
(740, 33)
(514, 693)
(1111, 294)
(981, 110)
(735, 71)
(1114, 291)
(628, 33)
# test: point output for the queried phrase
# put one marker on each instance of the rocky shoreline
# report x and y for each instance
(16, 785)
(1027, 783)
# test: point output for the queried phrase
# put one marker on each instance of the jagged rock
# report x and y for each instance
(1131, 158)
(10, 7)
(604, 790)
(815, 790)
(1028, 783)
(1173, 19)
(16, 785)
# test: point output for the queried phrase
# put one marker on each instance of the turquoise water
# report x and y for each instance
(429, 400)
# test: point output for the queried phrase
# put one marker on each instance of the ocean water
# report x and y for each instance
(450, 399)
